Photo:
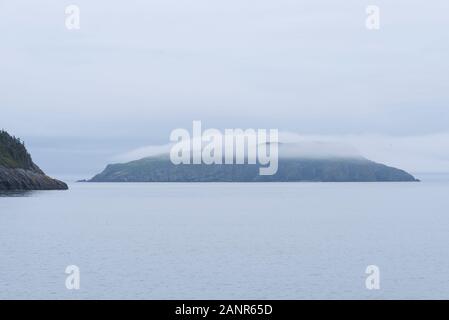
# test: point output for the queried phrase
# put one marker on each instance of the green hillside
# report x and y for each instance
(13, 153)
(160, 169)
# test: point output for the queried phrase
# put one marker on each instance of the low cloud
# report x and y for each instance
(420, 153)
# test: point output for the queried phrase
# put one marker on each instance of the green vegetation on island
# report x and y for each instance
(13, 153)
(161, 169)
(17, 169)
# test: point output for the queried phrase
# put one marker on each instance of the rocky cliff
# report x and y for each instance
(18, 171)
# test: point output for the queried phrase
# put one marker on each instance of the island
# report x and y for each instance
(18, 171)
(291, 169)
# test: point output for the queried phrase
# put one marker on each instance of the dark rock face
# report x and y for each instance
(17, 170)
(21, 179)
(160, 169)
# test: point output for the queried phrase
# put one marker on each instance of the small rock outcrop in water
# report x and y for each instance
(17, 170)
(160, 169)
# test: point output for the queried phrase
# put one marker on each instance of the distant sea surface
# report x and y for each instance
(227, 240)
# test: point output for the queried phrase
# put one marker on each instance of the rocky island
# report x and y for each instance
(291, 169)
(18, 171)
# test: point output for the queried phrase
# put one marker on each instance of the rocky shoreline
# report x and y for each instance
(22, 179)
(18, 172)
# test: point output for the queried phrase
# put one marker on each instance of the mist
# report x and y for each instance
(136, 70)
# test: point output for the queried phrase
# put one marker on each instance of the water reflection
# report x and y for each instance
(12, 193)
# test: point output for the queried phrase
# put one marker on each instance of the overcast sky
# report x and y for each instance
(138, 69)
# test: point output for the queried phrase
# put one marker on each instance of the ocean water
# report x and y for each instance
(227, 241)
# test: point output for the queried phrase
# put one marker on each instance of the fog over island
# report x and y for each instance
(357, 203)
(137, 70)
(246, 156)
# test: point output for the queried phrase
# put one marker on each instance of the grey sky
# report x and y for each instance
(138, 69)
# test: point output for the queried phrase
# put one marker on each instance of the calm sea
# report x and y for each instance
(227, 240)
